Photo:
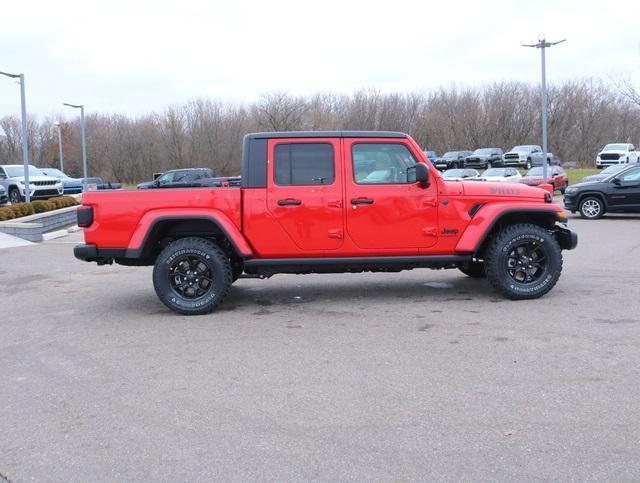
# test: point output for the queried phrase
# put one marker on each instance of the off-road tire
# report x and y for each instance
(591, 208)
(473, 269)
(14, 196)
(500, 253)
(217, 266)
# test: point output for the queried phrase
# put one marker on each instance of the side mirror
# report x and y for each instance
(422, 174)
(616, 181)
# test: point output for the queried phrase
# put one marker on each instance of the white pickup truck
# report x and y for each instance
(617, 153)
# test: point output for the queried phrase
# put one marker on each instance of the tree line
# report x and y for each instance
(583, 115)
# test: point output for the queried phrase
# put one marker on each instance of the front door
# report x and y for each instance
(626, 191)
(304, 191)
(386, 208)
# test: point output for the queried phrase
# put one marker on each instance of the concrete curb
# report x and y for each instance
(33, 227)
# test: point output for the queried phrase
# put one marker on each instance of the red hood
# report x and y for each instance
(495, 189)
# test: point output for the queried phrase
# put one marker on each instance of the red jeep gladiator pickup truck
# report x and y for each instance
(328, 202)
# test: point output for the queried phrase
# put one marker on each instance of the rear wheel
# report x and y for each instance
(524, 261)
(192, 276)
(473, 269)
(591, 208)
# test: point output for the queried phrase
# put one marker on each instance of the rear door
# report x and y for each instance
(385, 209)
(304, 191)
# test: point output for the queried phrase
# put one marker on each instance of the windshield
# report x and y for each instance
(522, 149)
(53, 172)
(535, 172)
(453, 173)
(495, 172)
(615, 147)
(18, 171)
(450, 154)
(483, 151)
(614, 168)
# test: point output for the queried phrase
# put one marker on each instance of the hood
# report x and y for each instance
(511, 190)
(583, 184)
(39, 178)
(479, 156)
(613, 151)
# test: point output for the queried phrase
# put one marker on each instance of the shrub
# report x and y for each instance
(39, 206)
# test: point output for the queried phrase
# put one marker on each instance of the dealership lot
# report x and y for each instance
(416, 375)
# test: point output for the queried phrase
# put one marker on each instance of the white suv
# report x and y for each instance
(617, 153)
(40, 185)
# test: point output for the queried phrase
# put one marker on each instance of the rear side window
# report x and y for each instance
(302, 164)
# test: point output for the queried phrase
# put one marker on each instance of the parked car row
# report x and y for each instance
(557, 177)
(44, 183)
(525, 156)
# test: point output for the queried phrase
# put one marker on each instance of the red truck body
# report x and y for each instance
(342, 222)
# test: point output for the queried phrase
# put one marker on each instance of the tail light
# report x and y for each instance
(85, 216)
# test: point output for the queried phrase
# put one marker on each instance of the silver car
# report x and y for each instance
(40, 185)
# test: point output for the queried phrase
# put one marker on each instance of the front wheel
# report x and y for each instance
(192, 276)
(528, 165)
(523, 261)
(591, 208)
(14, 196)
(489, 165)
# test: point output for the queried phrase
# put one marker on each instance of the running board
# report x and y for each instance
(271, 266)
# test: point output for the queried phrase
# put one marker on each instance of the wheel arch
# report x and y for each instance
(163, 228)
(593, 194)
(476, 241)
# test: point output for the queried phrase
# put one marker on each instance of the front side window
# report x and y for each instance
(382, 163)
(633, 175)
(303, 164)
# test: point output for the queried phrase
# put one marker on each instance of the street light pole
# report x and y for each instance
(543, 44)
(59, 128)
(84, 143)
(25, 133)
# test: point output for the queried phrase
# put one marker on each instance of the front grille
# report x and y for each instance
(45, 183)
(46, 193)
(609, 156)
(511, 156)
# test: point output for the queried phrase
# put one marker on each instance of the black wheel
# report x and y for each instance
(14, 196)
(591, 208)
(473, 269)
(528, 165)
(192, 276)
(523, 262)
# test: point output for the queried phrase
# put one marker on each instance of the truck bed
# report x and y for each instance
(117, 214)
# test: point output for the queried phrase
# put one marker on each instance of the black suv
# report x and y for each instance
(484, 158)
(451, 159)
(620, 193)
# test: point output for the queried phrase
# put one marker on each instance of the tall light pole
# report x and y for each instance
(84, 143)
(59, 129)
(25, 134)
(543, 44)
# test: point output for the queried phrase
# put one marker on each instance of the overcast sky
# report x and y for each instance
(138, 56)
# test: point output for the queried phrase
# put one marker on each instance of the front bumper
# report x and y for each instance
(43, 192)
(568, 239)
(570, 203)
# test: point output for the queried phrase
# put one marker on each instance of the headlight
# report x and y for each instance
(571, 189)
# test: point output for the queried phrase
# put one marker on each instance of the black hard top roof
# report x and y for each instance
(327, 134)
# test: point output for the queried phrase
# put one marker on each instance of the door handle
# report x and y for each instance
(289, 202)
(362, 201)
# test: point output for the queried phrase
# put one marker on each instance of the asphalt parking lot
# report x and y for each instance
(420, 375)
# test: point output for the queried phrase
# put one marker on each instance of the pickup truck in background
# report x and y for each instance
(617, 153)
(327, 202)
(100, 184)
(524, 156)
(177, 178)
